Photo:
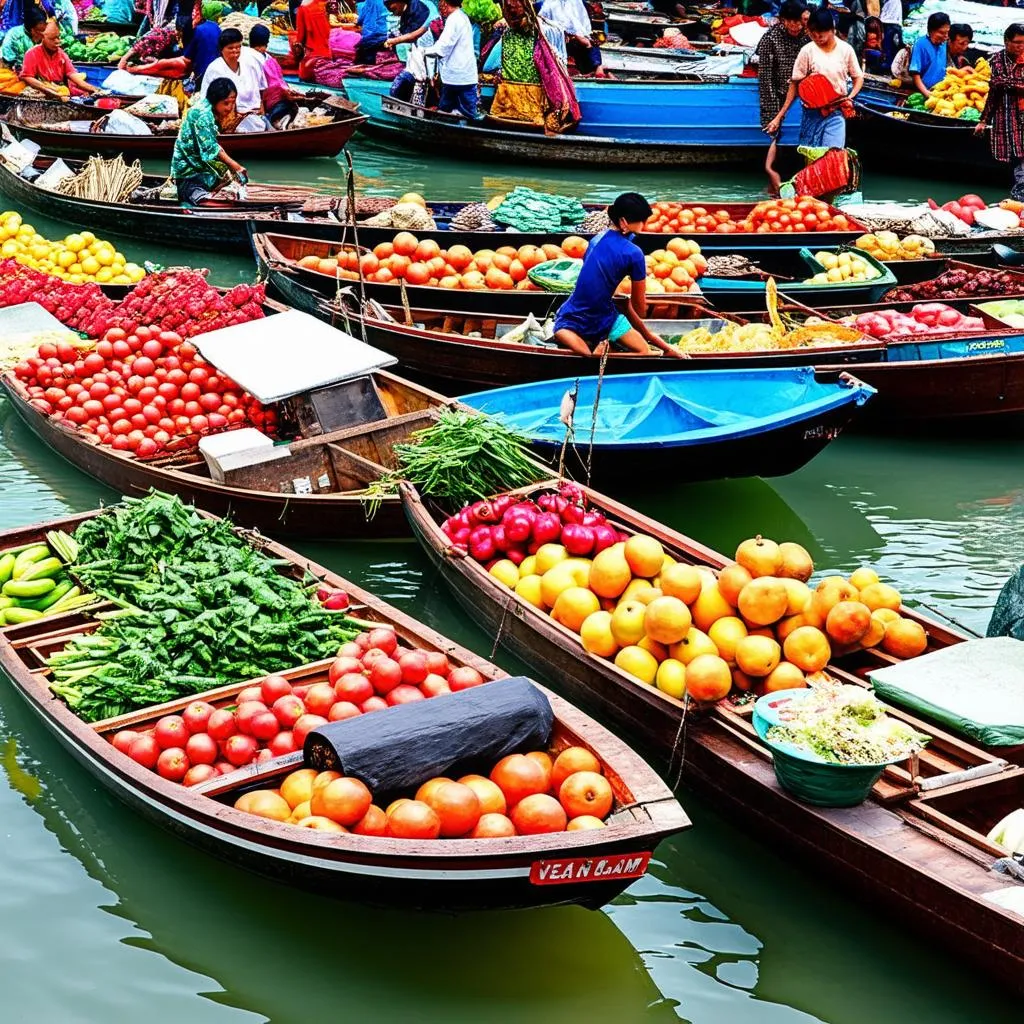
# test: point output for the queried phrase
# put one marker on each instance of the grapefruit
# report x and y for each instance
(574, 606)
(905, 638)
(682, 581)
(708, 678)
(731, 581)
(637, 662)
(757, 656)
(848, 622)
(807, 648)
(694, 643)
(763, 600)
(671, 678)
(725, 634)
(610, 572)
(644, 555)
(596, 634)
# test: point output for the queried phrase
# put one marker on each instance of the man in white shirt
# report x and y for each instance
(572, 18)
(459, 75)
(244, 68)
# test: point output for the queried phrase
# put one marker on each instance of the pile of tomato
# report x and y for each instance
(143, 392)
(773, 215)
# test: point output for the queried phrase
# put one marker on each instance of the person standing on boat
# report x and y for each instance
(960, 39)
(1003, 115)
(588, 322)
(199, 161)
(777, 51)
(928, 58)
(244, 69)
(373, 28)
(312, 37)
(892, 30)
(822, 74)
(20, 39)
(572, 18)
(459, 75)
(203, 49)
(414, 19)
(49, 69)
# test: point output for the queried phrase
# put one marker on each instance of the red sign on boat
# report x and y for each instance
(589, 869)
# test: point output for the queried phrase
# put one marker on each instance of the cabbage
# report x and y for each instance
(846, 724)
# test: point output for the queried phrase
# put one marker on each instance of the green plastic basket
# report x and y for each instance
(805, 775)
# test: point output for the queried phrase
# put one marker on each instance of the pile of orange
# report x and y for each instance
(756, 625)
(422, 262)
(526, 794)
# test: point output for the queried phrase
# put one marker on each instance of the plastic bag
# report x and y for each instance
(120, 122)
(57, 172)
(154, 104)
(251, 123)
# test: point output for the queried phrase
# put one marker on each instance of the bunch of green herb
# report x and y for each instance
(199, 608)
(464, 457)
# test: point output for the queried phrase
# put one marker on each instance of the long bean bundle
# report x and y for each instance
(464, 456)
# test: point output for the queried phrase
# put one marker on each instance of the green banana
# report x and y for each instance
(16, 616)
(7, 567)
(63, 545)
(48, 567)
(28, 588)
(29, 557)
(49, 600)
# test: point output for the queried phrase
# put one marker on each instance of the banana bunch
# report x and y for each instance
(888, 246)
(961, 89)
(34, 581)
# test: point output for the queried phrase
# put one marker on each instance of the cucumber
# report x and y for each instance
(73, 598)
(7, 567)
(30, 588)
(16, 616)
(48, 567)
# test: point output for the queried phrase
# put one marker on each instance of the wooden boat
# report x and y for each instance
(919, 855)
(889, 136)
(698, 124)
(442, 346)
(336, 466)
(709, 424)
(40, 124)
(278, 260)
(449, 875)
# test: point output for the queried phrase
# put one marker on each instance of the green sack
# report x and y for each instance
(556, 275)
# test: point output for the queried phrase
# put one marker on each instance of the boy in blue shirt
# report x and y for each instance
(928, 59)
(588, 321)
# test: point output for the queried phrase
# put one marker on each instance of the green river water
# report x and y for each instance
(106, 919)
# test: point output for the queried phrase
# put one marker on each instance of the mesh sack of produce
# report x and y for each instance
(556, 275)
(474, 217)
(366, 206)
(594, 222)
(1008, 614)
(405, 216)
(451, 734)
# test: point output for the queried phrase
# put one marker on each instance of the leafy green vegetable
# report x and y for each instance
(846, 724)
(199, 608)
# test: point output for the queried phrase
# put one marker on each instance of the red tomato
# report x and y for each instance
(247, 711)
(171, 732)
(199, 424)
(374, 704)
(145, 751)
(143, 365)
(153, 349)
(288, 710)
(209, 402)
(434, 686)
(385, 675)
(172, 764)
(250, 693)
(124, 739)
(201, 748)
(343, 666)
(383, 639)
(197, 716)
(355, 687)
(239, 750)
(199, 773)
(305, 725)
(319, 698)
(74, 413)
(191, 392)
(282, 743)
(414, 667)
(404, 694)
(463, 678)
(264, 726)
(222, 724)
(342, 710)
(146, 448)
(273, 687)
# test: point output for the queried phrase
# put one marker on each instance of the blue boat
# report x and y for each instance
(624, 122)
(703, 424)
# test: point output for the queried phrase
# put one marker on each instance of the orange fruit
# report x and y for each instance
(586, 793)
(881, 595)
(457, 806)
(373, 823)
(570, 761)
(708, 678)
(863, 577)
(583, 823)
(413, 819)
(682, 581)
(731, 581)
(876, 631)
(694, 643)
(428, 787)
(573, 606)
(492, 826)
(609, 572)
(807, 648)
(637, 662)
(596, 635)
(266, 804)
(518, 776)
(757, 656)
(830, 591)
(785, 676)
(709, 606)
(319, 823)
(345, 801)
(725, 633)
(667, 620)
(644, 555)
(544, 760)
(796, 562)
(627, 624)
(537, 814)
(905, 638)
(759, 556)
(298, 786)
(848, 622)
(763, 600)
(492, 800)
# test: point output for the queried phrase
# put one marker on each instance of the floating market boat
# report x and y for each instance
(449, 874)
(888, 135)
(917, 848)
(691, 123)
(708, 424)
(68, 130)
(346, 425)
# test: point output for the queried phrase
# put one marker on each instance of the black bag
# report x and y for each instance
(402, 747)
(1008, 614)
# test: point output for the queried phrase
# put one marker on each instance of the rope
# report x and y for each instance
(679, 745)
(350, 194)
(597, 399)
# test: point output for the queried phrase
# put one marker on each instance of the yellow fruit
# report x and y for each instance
(786, 676)
(529, 589)
(104, 257)
(640, 590)
(574, 606)
(881, 595)
(75, 243)
(905, 638)
(863, 577)
(725, 633)
(105, 275)
(709, 606)
(807, 648)
(671, 678)
(876, 631)
(65, 258)
(644, 554)
(694, 644)
(610, 572)
(848, 622)
(660, 651)
(667, 620)
(528, 566)
(628, 623)
(573, 572)
(548, 556)
(757, 656)
(708, 679)
(638, 663)
(731, 580)
(134, 272)
(504, 570)
(682, 581)
(759, 556)
(763, 600)
(798, 596)
(830, 591)
(796, 562)
(596, 634)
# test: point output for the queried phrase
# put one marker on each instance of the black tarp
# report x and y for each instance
(402, 747)
(1008, 614)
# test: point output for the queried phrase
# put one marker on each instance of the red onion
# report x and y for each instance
(481, 544)
(498, 537)
(577, 539)
(547, 528)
